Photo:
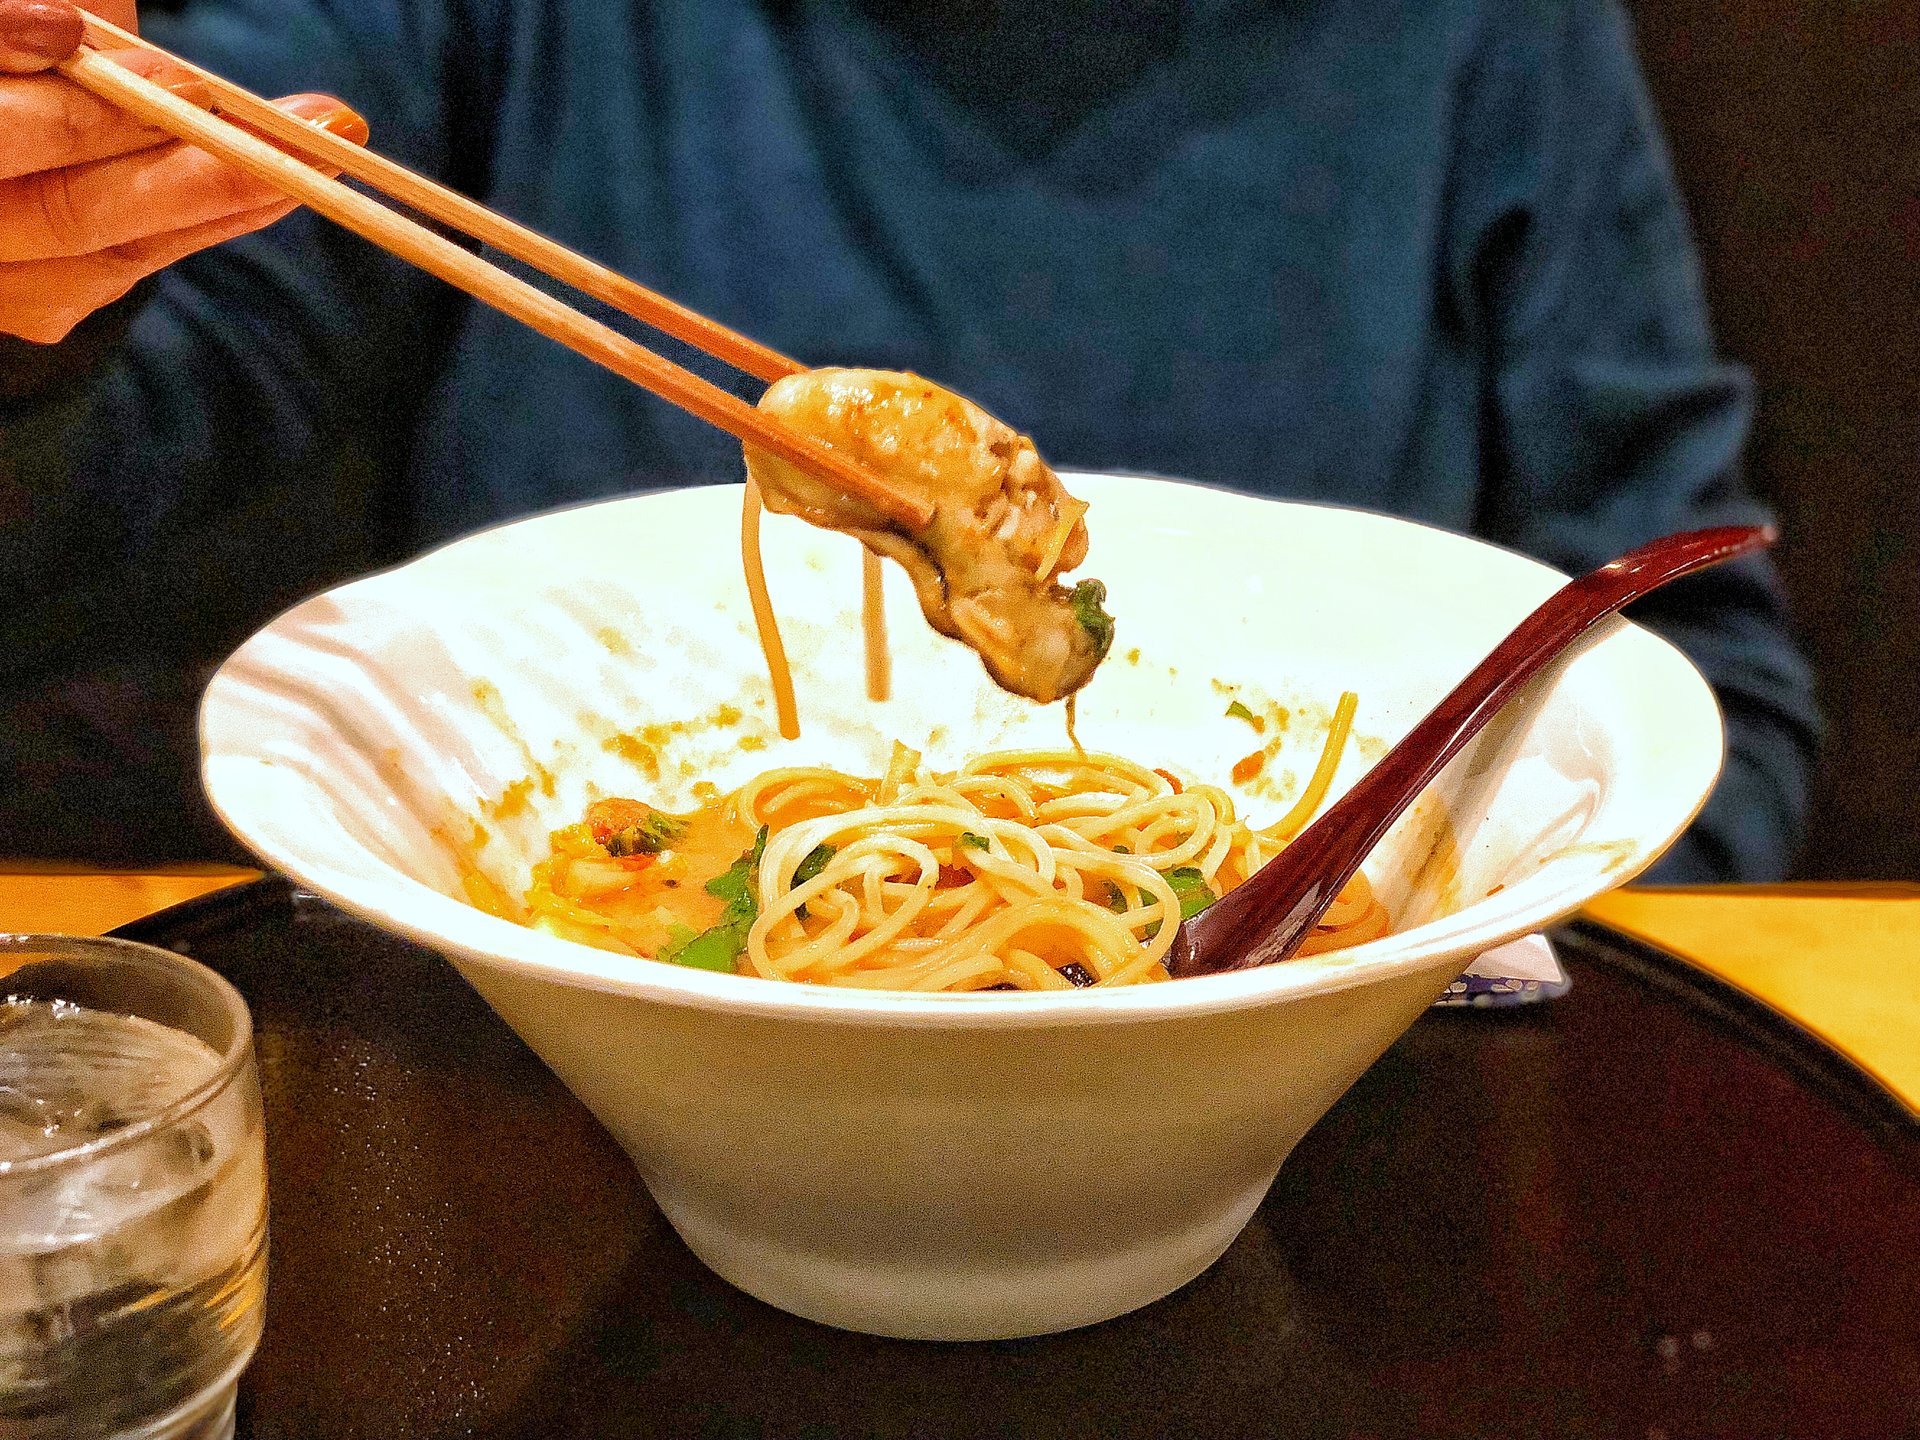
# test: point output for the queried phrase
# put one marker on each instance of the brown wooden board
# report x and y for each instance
(1646, 1209)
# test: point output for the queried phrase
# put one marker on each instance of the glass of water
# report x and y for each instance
(133, 1193)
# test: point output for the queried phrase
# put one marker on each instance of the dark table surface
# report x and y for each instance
(1647, 1209)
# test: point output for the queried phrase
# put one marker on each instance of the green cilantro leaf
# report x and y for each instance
(811, 867)
(1190, 889)
(719, 947)
(649, 837)
(1086, 599)
(735, 884)
(715, 949)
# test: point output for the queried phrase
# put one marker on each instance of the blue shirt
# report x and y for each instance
(1419, 255)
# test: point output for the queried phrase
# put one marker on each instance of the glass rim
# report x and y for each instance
(232, 1059)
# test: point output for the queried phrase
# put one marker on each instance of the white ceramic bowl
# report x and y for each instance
(939, 1166)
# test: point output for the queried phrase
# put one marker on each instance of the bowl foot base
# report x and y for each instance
(894, 1297)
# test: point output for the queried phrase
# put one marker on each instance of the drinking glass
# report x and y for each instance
(133, 1193)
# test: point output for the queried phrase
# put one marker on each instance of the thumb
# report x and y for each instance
(37, 34)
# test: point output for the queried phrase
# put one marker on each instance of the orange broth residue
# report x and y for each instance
(645, 896)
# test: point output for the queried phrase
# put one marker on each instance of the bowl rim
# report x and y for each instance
(412, 908)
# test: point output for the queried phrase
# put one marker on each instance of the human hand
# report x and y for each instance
(91, 200)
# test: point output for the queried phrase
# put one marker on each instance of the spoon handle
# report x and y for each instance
(1266, 919)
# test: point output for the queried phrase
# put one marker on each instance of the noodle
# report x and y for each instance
(1295, 819)
(873, 626)
(763, 619)
(1029, 870)
(1073, 724)
(873, 620)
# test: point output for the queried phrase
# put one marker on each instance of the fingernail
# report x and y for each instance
(194, 91)
(331, 115)
(37, 33)
(168, 76)
(347, 124)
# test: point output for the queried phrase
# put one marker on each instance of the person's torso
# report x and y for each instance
(1224, 267)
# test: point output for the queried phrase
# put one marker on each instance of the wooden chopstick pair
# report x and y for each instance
(439, 256)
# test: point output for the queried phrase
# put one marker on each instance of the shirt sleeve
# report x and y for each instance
(217, 445)
(1609, 418)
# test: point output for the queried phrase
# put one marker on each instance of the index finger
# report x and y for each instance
(51, 123)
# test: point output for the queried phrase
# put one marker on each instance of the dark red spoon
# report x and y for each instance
(1266, 919)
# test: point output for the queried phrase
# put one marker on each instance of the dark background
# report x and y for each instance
(1796, 137)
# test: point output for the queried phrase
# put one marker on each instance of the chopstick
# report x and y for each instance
(440, 257)
(470, 217)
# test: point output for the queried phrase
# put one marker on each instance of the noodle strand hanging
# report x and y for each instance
(873, 628)
(764, 622)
